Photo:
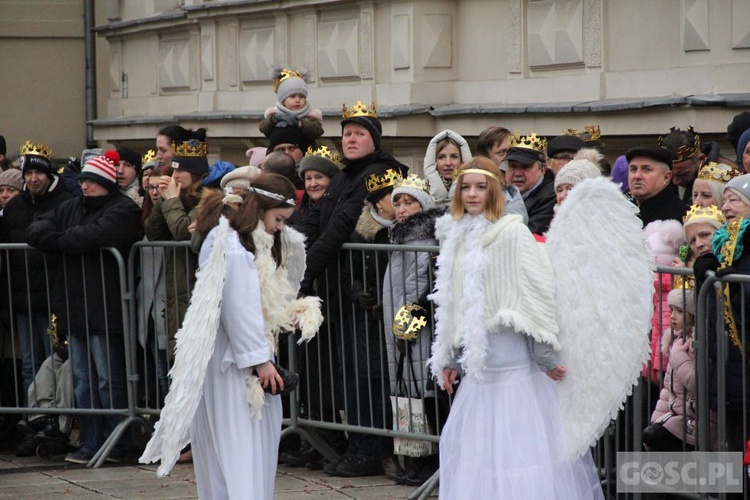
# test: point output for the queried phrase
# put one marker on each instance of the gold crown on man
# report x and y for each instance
(324, 152)
(718, 172)
(28, 148)
(285, 74)
(413, 181)
(531, 141)
(149, 156)
(388, 178)
(684, 282)
(359, 109)
(709, 212)
(193, 147)
(686, 151)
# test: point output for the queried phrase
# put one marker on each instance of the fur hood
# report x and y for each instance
(314, 113)
(437, 187)
(420, 226)
(368, 226)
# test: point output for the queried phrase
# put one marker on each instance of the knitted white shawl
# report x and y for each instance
(493, 271)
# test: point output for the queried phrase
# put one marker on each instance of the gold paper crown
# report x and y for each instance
(709, 212)
(285, 74)
(531, 141)
(413, 181)
(685, 152)
(27, 148)
(590, 133)
(193, 147)
(388, 178)
(684, 282)
(359, 109)
(324, 152)
(718, 172)
(407, 324)
(149, 156)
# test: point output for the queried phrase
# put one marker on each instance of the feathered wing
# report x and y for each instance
(604, 284)
(194, 348)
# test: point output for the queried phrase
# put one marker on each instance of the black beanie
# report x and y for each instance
(372, 125)
(287, 135)
(130, 156)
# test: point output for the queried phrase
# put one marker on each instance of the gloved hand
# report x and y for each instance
(723, 272)
(286, 120)
(377, 312)
(365, 300)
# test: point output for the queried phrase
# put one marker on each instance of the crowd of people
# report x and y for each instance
(390, 336)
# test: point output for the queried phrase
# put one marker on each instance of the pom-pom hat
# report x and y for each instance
(101, 170)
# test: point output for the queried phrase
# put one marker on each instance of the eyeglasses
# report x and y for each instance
(153, 188)
(564, 158)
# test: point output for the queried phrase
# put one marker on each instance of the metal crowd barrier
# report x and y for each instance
(48, 304)
(347, 371)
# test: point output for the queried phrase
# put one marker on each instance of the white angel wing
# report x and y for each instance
(604, 285)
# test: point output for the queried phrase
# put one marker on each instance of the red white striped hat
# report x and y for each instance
(101, 170)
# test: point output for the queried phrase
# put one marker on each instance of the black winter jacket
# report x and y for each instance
(88, 299)
(665, 205)
(331, 221)
(18, 215)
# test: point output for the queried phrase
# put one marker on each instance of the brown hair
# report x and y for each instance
(489, 137)
(494, 203)
(246, 218)
(191, 196)
(210, 210)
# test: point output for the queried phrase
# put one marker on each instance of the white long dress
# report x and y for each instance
(234, 456)
(504, 436)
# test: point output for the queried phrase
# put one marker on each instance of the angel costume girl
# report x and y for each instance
(234, 426)
(496, 321)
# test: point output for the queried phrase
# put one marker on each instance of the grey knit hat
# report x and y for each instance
(11, 177)
(575, 171)
(683, 299)
(319, 164)
(741, 186)
(291, 85)
(417, 188)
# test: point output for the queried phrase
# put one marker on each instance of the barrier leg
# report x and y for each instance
(427, 488)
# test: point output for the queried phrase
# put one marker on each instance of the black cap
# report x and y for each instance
(372, 125)
(287, 135)
(657, 153)
(564, 143)
(527, 156)
(130, 156)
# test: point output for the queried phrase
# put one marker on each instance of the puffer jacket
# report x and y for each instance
(676, 408)
(78, 230)
(437, 186)
(659, 321)
(408, 280)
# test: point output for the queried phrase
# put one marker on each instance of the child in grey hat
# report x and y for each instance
(292, 108)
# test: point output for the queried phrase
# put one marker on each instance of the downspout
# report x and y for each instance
(89, 41)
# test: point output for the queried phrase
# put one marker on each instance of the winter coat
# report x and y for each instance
(514, 202)
(169, 221)
(331, 221)
(151, 296)
(659, 321)
(363, 271)
(437, 186)
(408, 280)
(664, 205)
(79, 229)
(18, 215)
(312, 123)
(676, 408)
(540, 204)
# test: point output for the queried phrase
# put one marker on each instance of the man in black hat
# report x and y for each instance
(127, 174)
(650, 179)
(562, 149)
(527, 171)
(288, 140)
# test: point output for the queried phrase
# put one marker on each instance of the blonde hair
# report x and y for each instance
(494, 202)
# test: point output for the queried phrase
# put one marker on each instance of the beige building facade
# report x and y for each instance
(633, 67)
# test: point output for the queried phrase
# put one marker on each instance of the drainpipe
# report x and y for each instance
(89, 41)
